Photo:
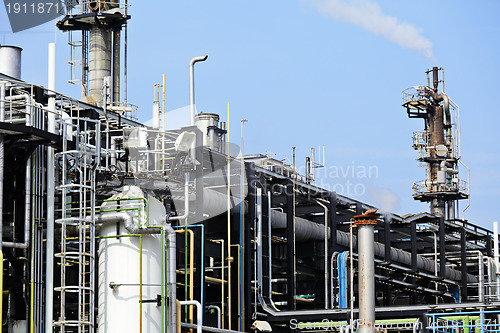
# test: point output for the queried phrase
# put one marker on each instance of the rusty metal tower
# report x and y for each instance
(438, 145)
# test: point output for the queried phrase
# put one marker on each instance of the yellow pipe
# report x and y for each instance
(241, 270)
(212, 279)
(191, 271)
(163, 104)
(178, 306)
(229, 258)
(221, 241)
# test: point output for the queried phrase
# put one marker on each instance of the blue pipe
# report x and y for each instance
(341, 267)
(202, 260)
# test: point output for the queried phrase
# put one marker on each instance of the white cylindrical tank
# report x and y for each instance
(10, 61)
(207, 123)
(119, 269)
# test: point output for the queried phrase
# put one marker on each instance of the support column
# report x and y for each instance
(463, 263)
(290, 248)
(442, 247)
(248, 277)
(332, 222)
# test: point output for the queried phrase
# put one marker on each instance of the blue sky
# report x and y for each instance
(309, 73)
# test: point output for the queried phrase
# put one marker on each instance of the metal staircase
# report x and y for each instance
(78, 162)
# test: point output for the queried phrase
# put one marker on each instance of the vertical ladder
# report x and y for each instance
(78, 161)
(74, 62)
(79, 66)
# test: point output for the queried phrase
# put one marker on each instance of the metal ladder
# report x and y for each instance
(76, 76)
(78, 162)
(74, 61)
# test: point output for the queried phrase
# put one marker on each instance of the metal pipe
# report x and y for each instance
(446, 102)
(191, 270)
(229, 258)
(342, 277)
(306, 230)
(163, 107)
(326, 251)
(209, 329)
(241, 304)
(496, 257)
(51, 122)
(366, 270)
(199, 311)
(351, 273)
(332, 260)
(186, 200)
(216, 308)
(127, 220)
(481, 276)
(171, 279)
(178, 319)
(221, 241)
(191, 85)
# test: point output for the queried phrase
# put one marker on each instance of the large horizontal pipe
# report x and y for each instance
(215, 203)
(307, 230)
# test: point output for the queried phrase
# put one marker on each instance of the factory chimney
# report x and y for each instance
(366, 270)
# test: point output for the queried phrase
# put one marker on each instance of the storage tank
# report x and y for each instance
(119, 268)
(208, 124)
(10, 61)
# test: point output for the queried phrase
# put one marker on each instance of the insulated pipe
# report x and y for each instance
(171, 279)
(198, 313)
(191, 85)
(186, 200)
(128, 222)
(306, 230)
(51, 124)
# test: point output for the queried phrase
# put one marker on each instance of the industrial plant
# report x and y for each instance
(110, 225)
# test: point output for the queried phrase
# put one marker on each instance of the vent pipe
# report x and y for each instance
(366, 270)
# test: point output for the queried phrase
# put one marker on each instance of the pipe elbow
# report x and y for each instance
(197, 59)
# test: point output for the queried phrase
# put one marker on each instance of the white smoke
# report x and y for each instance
(386, 200)
(368, 15)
